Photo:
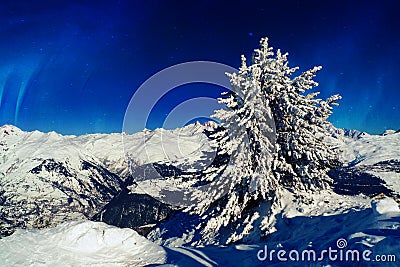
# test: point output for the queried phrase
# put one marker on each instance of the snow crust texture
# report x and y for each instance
(79, 243)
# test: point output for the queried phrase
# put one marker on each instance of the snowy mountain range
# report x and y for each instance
(47, 179)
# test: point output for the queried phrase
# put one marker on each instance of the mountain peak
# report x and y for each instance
(9, 129)
(388, 132)
(354, 134)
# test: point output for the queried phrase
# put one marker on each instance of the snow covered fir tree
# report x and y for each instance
(275, 133)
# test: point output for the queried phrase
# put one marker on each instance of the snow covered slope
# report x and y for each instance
(377, 156)
(80, 243)
(371, 149)
(96, 244)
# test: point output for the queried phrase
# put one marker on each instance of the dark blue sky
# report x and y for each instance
(72, 66)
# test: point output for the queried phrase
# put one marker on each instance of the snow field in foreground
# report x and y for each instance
(80, 243)
(86, 243)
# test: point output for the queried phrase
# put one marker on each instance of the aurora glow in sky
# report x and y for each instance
(73, 66)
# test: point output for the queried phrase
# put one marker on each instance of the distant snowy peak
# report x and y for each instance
(105, 148)
(345, 134)
(354, 134)
(194, 127)
(7, 129)
(388, 132)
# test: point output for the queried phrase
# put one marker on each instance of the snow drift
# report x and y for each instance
(79, 243)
